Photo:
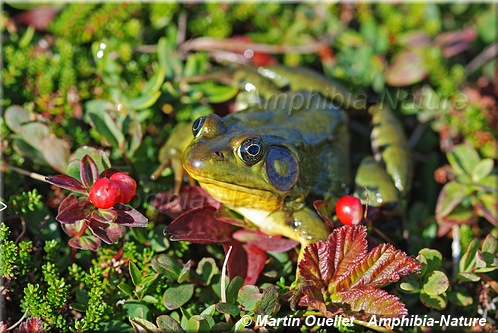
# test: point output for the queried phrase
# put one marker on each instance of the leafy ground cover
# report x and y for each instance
(92, 89)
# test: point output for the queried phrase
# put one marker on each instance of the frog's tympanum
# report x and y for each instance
(266, 161)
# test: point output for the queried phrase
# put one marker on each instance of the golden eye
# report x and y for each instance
(197, 125)
(251, 150)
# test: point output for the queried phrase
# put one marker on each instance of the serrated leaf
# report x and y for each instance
(167, 266)
(167, 324)
(349, 276)
(85, 243)
(66, 182)
(373, 301)
(175, 296)
(88, 171)
(383, 265)
(136, 275)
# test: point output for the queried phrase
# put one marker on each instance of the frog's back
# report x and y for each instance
(312, 128)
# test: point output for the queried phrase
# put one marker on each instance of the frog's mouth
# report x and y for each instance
(234, 196)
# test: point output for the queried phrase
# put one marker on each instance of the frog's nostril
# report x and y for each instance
(218, 155)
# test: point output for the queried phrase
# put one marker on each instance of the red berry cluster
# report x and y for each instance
(349, 210)
(119, 188)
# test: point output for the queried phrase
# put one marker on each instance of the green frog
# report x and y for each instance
(289, 146)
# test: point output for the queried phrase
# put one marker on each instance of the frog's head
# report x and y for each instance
(240, 165)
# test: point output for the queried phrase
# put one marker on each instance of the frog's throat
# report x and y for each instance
(234, 196)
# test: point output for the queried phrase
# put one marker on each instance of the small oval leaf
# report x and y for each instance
(174, 297)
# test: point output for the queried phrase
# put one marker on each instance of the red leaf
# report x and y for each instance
(108, 232)
(383, 265)
(73, 210)
(200, 226)
(263, 241)
(67, 182)
(316, 265)
(88, 171)
(349, 276)
(91, 243)
(31, 325)
(73, 229)
(245, 260)
(189, 198)
(129, 217)
(373, 301)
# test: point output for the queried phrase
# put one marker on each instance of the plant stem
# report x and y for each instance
(33, 175)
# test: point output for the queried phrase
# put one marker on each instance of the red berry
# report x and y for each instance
(349, 210)
(104, 193)
(127, 185)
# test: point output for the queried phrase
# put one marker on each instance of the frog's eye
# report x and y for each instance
(251, 150)
(197, 126)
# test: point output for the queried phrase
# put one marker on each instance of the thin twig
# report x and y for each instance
(223, 282)
(489, 53)
(33, 175)
(19, 321)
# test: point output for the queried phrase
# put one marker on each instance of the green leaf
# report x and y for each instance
(26, 150)
(185, 272)
(467, 261)
(487, 207)
(450, 197)
(268, 304)
(167, 324)
(91, 243)
(174, 297)
(198, 323)
(468, 277)
(15, 116)
(436, 283)
(142, 325)
(460, 299)
(143, 101)
(216, 93)
(248, 297)
(207, 269)
(136, 275)
(233, 289)
(434, 259)
(105, 125)
(126, 288)
(437, 302)
(34, 133)
(98, 156)
(56, 152)
(166, 265)
(227, 308)
(482, 169)
(136, 309)
(489, 245)
(463, 159)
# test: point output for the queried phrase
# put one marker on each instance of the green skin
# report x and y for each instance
(303, 154)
